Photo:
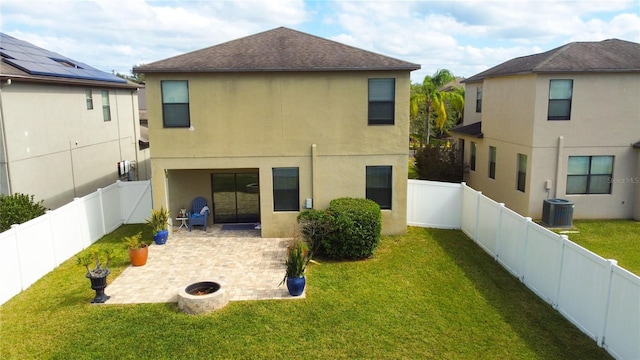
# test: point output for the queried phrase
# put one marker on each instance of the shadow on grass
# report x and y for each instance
(530, 317)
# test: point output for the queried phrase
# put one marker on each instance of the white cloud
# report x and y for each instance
(464, 36)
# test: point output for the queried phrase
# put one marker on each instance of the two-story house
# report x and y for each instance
(560, 124)
(64, 125)
(270, 124)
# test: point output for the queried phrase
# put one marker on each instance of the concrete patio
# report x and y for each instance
(248, 266)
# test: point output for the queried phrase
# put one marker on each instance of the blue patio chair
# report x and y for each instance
(199, 213)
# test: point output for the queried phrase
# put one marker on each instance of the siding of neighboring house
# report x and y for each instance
(604, 121)
(57, 148)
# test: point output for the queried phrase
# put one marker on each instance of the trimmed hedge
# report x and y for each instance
(349, 229)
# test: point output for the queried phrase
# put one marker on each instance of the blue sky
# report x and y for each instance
(464, 36)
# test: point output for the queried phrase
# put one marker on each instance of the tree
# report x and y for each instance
(135, 77)
(429, 94)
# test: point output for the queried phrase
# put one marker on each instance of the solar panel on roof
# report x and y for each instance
(38, 61)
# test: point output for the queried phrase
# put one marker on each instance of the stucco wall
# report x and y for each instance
(265, 120)
(605, 120)
(58, 148)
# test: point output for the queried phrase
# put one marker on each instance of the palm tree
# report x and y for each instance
(428, 93)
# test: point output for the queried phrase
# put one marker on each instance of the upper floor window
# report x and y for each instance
(89, 98)
(106, 109)
(492, 162)
(560, 92)
(286, 194)
(379, 185)
(382, 96)
(472, 160)
(522, 172)
(589, 174)
(479, 99)
(175, 103)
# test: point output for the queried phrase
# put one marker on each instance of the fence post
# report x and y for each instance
(499, 232)
(48, 214)
(523, 261)
(601, 340)
(475, 230)
(565, 238)
(104, 226)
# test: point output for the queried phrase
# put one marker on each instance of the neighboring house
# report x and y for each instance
(64, 125)
(270, 124)
(560, 124)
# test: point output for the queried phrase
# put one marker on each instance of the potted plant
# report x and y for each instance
(98, 275)
(298, 258)
(158, 222)
(138, 249)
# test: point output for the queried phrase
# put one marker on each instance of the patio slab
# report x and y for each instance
(250, 267)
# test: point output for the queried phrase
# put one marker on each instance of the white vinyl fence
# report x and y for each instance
(29, 251)
(595, 294)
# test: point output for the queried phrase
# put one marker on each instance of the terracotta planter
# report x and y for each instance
(138, 257)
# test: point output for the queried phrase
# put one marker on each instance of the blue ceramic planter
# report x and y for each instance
(296, 285)
(160, 237)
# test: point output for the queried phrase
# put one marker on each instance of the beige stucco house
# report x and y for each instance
(64, 125)
(270, 124)
(560, 124)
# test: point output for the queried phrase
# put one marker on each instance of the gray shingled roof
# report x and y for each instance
(280, 49)
(611, 55)
(474, 129)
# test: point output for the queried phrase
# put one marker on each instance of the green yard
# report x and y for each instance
(432, 294)
(611, 239)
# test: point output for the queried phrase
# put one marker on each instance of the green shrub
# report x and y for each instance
(439, 163)
(357, 224)
(315, 226)
(17, 209)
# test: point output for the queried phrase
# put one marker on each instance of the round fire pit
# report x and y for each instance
(202, 297)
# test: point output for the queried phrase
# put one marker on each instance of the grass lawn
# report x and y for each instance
(431, 294)
(611, 239)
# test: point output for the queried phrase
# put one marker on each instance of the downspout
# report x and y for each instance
(118, 120)
(5, 149)
(313, 172)
(136, 133)
(558, 164)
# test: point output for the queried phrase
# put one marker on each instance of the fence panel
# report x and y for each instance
(488, 224)
(35, 246)
(135, 197)
(30, 250)
(90, 212)
(65, 231)
(584, 285)
(433, 204)
(622, 329)
(111, 207)
(470, 200)
(10, 281)
(513, 235)
(543, 254)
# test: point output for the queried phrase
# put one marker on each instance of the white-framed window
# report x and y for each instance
(522, 172)
(589, 174)
(382, 101)
(472, 159)
(286, 189)
(479, 99)
(106, 108)
(89, 98)
(492, 162)
(379, 185)
(175, 103)
(560, 94)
